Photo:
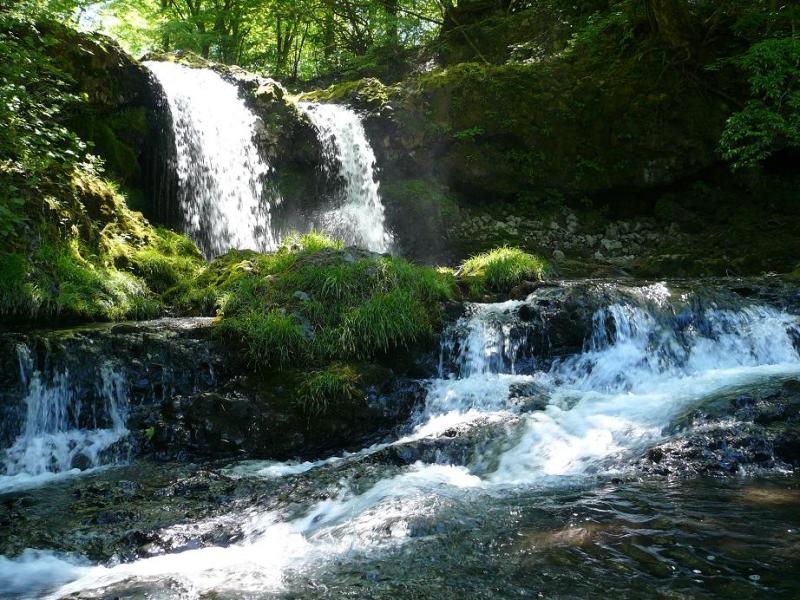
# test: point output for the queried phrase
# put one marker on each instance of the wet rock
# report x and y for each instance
(731, 433)
(528, 397)
(477, 445)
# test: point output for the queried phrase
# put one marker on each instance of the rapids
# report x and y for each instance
(512, 457)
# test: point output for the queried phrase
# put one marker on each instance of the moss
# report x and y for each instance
(187, 58)
(368, 93)
(423, 199)
(500, 270)
(337, 385)
(60, 279)
(92, 258)
(582, 120)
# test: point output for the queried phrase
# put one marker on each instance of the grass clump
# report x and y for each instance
(166, 260)
(500, 270)
(61, 280)
(336, 384)
(314, 301)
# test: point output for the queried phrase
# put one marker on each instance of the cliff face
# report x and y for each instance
(124, 116)
(584, 131)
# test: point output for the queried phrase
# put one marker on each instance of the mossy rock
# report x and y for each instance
(366, 94)
(314, 301)
(101, 261)
(187, 58)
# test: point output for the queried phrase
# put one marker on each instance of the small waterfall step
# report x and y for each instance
(66, 394)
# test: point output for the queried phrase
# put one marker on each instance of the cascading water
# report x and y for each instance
(358, 217)
(222, 177)
(60, 433)
(644, 363)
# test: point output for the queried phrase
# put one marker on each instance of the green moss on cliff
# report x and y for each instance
(368, 93)
(91, 258)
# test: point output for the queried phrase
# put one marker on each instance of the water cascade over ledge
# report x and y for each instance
(225, 194)
(61, 434)
(357, 216)
(223, 191)
(548, 422)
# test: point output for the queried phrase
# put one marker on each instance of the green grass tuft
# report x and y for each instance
(500, 270)
(337, 384)
(313, 301)
(273, 338)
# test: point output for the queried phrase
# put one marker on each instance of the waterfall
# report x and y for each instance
(358, 217)
(61, 433)
(224, 195)
(644, 363)
(222, 177)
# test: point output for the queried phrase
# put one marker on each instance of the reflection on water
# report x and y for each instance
(716, 538)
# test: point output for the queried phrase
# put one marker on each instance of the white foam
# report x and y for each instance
(359, 217)
(35, 572)
(640, 370)
(52, 443)
(221, 174)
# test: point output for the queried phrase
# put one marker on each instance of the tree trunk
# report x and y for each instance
(672, 21)
(328, 33)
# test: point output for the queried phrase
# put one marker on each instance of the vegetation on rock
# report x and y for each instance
(337, 384)
(500, 270)
(70, 247)
(314, 301)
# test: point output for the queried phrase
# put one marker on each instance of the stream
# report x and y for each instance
(519, 474)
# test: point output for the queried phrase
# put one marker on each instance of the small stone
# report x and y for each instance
(301, 296)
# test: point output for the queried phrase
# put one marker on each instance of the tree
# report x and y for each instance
(771, 119)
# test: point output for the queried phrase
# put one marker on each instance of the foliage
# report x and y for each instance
(288, 38)
(109, 268)
(337, 383)
(38, 153)
(314, 301)
(500, 270)
(70, 248)
(771, 119)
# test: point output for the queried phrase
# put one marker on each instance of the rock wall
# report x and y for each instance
(125, 117)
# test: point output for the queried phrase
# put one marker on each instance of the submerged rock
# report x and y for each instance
(757, 429)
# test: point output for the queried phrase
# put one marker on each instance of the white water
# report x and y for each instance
(221, 175)
(641, 368)
(358, 218)
(52, 443)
